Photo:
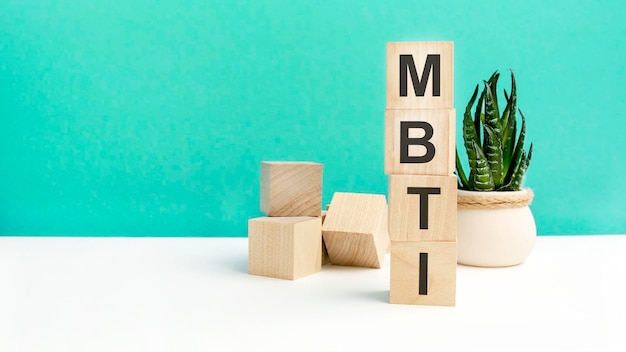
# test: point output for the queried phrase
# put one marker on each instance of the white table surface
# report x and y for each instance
(194, 294)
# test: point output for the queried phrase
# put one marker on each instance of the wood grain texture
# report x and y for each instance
(420, 51)
(405, 209)
(442, 122)
(291, 188)
(284, 247)
(405, 273)
(355, 229)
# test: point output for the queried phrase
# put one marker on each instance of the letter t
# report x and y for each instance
(423, 193)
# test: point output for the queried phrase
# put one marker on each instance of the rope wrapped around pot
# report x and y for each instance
(480, 200)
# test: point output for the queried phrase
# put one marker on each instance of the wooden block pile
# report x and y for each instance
(296, 237)
(420, 161)
(287, 243)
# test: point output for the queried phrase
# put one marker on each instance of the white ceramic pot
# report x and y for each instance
(494, 237)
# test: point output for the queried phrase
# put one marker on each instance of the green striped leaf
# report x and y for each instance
(480, 175)
(492, 116)
(508, 143)
(513, 98)
(505, 115)
(469, 132)
(493, 153)
(517, 151)
(510, 131)
(493, 89)
(479, 117)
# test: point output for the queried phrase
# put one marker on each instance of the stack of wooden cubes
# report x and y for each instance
(420, 162)
(296, 237)
(287, 243)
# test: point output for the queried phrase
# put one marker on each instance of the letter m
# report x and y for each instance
(419, 85)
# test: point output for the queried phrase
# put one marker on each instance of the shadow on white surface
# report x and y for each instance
(238, 264)
(376, 296)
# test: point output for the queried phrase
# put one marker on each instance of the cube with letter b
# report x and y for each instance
(420, 141)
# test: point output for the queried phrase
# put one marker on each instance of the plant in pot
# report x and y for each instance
(495, 225)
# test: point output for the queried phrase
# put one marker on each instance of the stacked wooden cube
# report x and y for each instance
(287, 243)
(420, 162)
(296, 237)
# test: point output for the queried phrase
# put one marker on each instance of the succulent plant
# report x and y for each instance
(497, 159)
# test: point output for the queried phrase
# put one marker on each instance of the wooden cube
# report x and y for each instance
(420, 141)
(355, 230)
(291, 188)
(284, 247)
(422, 208)
(420, 75)
(423, 273)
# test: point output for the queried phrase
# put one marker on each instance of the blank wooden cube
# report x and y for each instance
(355, 230)
(422, 208)
(420, 141)
(291, 188)
(284, 247)
(423, 273)
(406, 63)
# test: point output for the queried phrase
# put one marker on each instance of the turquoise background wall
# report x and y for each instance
(152, 117)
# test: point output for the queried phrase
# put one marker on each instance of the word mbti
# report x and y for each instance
(420, 161)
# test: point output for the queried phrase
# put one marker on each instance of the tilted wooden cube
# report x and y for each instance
(291, 188)
(285, 247)
(420, 75)
(423, 273)
(355, 230)
(422, 208)
(420, 141)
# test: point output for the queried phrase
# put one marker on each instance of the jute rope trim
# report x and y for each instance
(502, 200)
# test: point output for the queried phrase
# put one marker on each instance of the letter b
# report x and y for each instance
(406, 141)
